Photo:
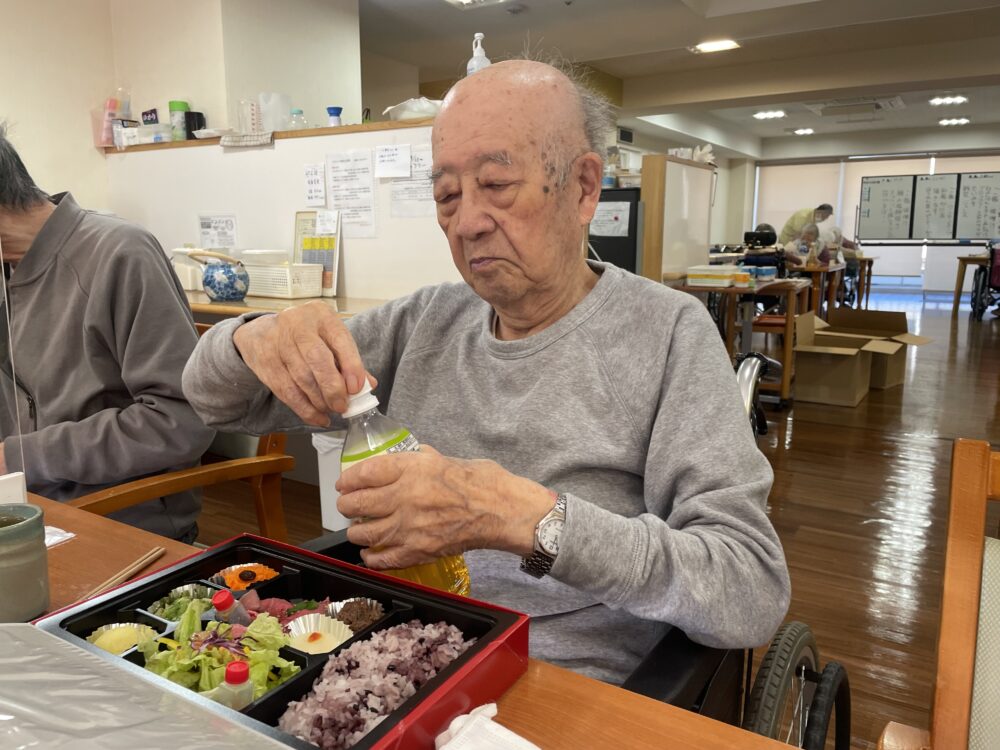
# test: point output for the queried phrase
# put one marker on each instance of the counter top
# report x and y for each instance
(345, 306)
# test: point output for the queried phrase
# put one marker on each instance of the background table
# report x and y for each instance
(864, 280)
(202, 304)
(828, 275)
(555, 708)
(964, 261)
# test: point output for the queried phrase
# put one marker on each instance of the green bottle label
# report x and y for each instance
(402, 441)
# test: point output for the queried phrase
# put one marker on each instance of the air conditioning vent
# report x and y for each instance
(869, 106)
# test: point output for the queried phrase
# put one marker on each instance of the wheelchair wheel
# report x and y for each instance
(833, 698)
(784, 687)
(979, 292)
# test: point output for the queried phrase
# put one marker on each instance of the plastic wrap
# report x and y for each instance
(56, 696)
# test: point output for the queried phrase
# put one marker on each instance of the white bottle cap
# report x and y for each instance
(362, 401)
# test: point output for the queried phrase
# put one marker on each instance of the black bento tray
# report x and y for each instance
(481, 674)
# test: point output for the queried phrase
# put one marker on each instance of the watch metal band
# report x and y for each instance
(539, 563)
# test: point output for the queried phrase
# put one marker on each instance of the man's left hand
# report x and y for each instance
(415, 507)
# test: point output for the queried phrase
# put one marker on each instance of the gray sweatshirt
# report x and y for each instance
(101, 331)
(629, 405)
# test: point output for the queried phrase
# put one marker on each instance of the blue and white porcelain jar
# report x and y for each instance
(225, 279)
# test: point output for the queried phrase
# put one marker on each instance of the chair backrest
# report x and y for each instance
(975, 480)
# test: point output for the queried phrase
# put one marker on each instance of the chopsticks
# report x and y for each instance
(123, 575)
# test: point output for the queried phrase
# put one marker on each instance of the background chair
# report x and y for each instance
(967, 687)
(262, 471)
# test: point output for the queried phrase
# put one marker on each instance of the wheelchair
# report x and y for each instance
(986, 283)
(791, 699)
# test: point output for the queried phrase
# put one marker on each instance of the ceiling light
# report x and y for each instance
(937, 101)
(774, 114)
(954, 121)
(719, 45)
(466, 4)
(804, 131)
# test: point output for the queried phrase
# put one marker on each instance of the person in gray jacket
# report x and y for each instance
(100, 331)
(584, 439)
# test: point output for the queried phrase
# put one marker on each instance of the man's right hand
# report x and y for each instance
(306, 357)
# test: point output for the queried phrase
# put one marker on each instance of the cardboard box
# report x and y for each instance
(889, 364)
(832, 368)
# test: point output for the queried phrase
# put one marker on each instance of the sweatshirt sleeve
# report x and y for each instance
(228, 396)
(704, 557)
(139, 328)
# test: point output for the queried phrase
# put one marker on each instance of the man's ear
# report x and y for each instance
(591, 170)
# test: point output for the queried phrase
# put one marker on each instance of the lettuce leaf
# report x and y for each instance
(190, 621)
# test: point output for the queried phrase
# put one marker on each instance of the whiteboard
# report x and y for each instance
(934, 206)
(979, 206)
(886, 207)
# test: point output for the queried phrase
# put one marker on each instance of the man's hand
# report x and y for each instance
(416, 507)
(306, 357)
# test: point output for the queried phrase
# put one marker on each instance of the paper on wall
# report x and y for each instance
(326, 222)
(217, 231)
(350, 190)
(611, 219)
(315, 176)
(392, 161)
(413, 197)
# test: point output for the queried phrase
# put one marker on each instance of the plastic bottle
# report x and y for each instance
(227, 609)
(333, 116)
(298, 121)
(479, 60)
(370, 433)
(237, 690)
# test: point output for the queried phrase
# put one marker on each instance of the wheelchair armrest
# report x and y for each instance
(334, 544)
(676, 671)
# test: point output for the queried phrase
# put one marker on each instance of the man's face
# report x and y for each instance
(508, 204)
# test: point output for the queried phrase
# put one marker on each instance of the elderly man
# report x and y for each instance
(556, 394)
(90, 395)
(797, 221)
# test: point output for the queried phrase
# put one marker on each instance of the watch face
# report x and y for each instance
(548, 536)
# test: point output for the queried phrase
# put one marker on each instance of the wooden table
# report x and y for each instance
(964, 261)
(788, 287)
(864, 280)
(828, 275)
(346, 306)
(552, 707)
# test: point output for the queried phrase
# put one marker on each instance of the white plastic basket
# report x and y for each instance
(293, 281)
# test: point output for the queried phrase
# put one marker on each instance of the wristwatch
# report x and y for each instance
(547, 534)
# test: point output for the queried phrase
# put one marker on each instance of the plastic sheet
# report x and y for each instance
(56, 696)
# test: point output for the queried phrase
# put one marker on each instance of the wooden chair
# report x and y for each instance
(968, 644)
(263, 472)
(783, 324)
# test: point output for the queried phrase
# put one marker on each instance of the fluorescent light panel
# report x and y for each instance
(938, 101)
(773, 114)
(717, 45)
(949, 121)
(804, 131)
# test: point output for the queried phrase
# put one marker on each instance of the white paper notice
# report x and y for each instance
(326, 222)
(392, 161)
(315, 184)
(611, 219)
(350, 190)
(413, 197)
(216, 231)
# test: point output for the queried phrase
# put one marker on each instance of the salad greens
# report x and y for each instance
(196, 658)
(179, 606)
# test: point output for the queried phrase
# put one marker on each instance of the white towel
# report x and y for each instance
(477, 731)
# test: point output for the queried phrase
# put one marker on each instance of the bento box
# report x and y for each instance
(410, 660)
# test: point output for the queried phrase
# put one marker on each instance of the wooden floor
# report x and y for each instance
(860, 502)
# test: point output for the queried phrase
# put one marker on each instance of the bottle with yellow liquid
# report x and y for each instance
(370, 433)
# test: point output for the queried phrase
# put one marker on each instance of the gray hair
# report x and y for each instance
(811, 228)
(18, 191)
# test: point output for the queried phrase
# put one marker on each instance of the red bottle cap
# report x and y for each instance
(237, 672)
(223, 600)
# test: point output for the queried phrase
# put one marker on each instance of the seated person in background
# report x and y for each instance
(798, 221)
(797, 250)
(101, 331)
(549, 388)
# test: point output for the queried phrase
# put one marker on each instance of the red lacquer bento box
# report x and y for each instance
(496, 658)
